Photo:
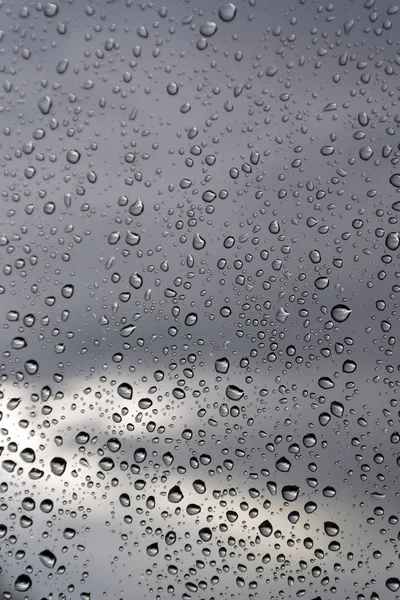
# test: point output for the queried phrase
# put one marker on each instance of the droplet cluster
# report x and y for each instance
(200, 277)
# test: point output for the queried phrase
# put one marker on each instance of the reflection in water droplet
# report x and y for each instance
(152, 549)
(393, 584)
(125, 391)
(191, 319)
(222, 365)
(326, 383)
(136, 281)
(58, 465)
(175, 494)
(340, 313)
(48, 559)
(23, 583)
(265, 528)
(234, 393)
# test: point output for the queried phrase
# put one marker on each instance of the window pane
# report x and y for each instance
(199, 249)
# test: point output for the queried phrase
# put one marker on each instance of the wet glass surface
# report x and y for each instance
(199, 294)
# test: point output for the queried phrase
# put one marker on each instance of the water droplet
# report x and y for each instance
(393, 240)
(62, 66)
(73, 156)
(331, 528)
(45, 105)
(140, 455)
(205, 534)
(125, 500)
(234, 393)
(208, 29)
(198, 242)
(136, 281)
(393, 584)
(282, 315)
(48, 559)
(23, 583)
(175, 494)
(191, 319)
(290, 493)
(152, 549)
(172, 88)
(340, 313)
(222, 365)
(366, 153)
(50, 9)
(227, 12)
(395, 180)
(58, 466)
(283, 465)
(265, 528)
(31, 367)
(18, 343)
(142, 31)
(326, 383)
(136, 208)
(209, 196)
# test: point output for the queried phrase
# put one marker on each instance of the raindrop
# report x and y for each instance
(45, 105)
(290, 492)
(152, 549)
(136, 281)
(175, 494)
(198, 242)
(234, 393)
(395, 180)
(208, 29)
(48, 559)
(58, 466)
(331, 528)
(393, 240)
(393, 584)
(265, 528)
(140, 455)
(125, 391)
(73, 156)
(326, 383)
(142, 31)
(227, 12)
(222, 365)
(283, 464)
(340, 313)
(50, 9)
(172, 88)
(23, 583)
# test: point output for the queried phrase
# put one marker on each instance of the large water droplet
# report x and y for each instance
(340, 313)
(175, 494)
(265, 528)
(48, 559)
(23, 583)
(227, 12)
